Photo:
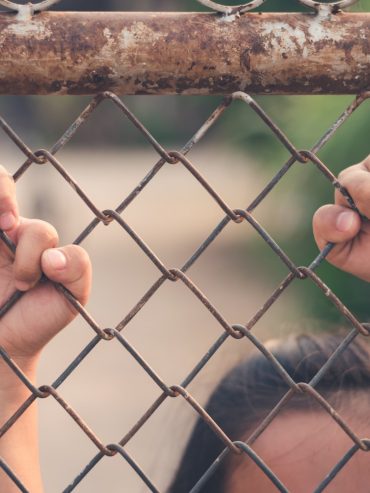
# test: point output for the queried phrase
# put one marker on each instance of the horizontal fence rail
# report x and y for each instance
(184, 53)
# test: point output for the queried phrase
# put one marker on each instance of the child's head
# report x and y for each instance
(303, 443)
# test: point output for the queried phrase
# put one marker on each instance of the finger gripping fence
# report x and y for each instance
(242, 218)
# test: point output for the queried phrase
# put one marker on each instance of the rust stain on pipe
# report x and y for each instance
(184, 53)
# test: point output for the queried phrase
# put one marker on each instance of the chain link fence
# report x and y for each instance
(242, 218)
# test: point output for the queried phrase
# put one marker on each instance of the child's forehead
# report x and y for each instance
(301, 448)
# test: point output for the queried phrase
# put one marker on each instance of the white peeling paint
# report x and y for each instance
(228, 18)
(127, 39)
(107, 33)
(136, 33)
(283, 37)
(108, 48)
(318, 31)
(26, 28)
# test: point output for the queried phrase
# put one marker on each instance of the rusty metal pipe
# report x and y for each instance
(184, 53)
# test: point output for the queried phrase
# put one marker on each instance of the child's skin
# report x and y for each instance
(37, 317)
(43, 312)
(339, 224)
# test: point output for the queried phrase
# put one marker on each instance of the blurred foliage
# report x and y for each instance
(173, 120)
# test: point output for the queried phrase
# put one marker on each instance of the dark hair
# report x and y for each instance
(249, 391)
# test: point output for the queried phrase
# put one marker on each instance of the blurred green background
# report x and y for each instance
(172, 120)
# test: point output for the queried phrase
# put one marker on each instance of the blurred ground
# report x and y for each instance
(173, 330)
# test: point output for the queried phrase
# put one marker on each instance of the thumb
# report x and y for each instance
(336, 224)
(70, 266)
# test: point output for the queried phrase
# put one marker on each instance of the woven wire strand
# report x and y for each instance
(35, 7)
(227, 9)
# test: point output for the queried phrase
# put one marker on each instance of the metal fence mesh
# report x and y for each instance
(243, 217)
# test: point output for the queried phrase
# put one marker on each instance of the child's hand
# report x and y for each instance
(341, 225)
(42, 312)
(31, 322)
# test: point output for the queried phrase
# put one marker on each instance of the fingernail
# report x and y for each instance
(56, 258)
(345, 221)
(7, 221)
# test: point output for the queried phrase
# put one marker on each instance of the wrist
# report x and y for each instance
(10, 382)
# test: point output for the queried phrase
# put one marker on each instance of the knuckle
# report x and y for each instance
(316, 218)
(320, 214)
(324, 208)
(349, 172)
(43, 232)
(80, 255)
